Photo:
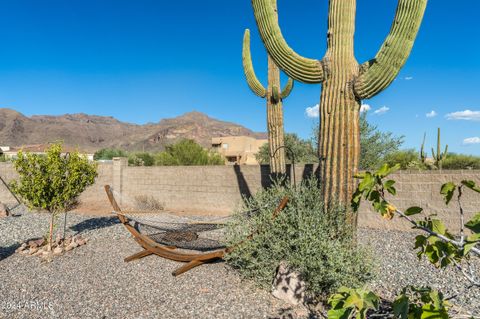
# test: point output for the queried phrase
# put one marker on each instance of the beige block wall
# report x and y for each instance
(218, 190)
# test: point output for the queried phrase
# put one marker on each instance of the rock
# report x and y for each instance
(40, 242)
(58, 239)
(4, 211)
(21, 248)
(32, 250)
(81, 242)
(72, 245)
(288, 285)
(58, 251)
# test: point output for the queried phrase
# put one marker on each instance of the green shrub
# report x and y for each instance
(52, 182)
(407, 159)
(3, 158)
(187, 152)
(317, 243)
(141, 159)
(460, 161)
(108, 154)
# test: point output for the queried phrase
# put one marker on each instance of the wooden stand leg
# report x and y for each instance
(138, 255)
(187, 267)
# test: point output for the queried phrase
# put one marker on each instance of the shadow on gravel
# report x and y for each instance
(6, 252)
(95, 223)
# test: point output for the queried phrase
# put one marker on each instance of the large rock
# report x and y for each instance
(288, 285)
(4, 211)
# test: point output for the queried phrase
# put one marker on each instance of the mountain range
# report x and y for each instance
(92, 132)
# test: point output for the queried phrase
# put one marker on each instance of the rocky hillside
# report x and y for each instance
(91, 132)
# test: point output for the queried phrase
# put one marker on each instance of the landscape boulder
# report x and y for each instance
(288, 285)
(4, 211)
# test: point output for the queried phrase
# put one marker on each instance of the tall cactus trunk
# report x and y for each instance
(275, 121)
(339, 133)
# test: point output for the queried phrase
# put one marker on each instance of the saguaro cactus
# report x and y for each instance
(274, 104)
(423, 155)
(345, 82)
(439, 156)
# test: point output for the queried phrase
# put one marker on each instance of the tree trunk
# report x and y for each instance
(275, 121)
(339, 133)
(50, 234)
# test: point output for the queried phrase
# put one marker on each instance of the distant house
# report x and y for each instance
(238, 150)
(11, 152)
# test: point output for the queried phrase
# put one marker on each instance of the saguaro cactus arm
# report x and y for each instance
(287, 89)
(252, 79)
(377, 74)
(299, 68)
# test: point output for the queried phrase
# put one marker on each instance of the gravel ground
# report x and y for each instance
(92, 281)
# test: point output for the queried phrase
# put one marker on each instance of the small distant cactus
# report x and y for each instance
(439, 156)
(423, 155)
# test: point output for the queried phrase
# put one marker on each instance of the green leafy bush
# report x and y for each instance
(187, 152)
(53, 181)
(141, 159)
(407, 159)
(3, 158)
(108, 154)
(460, 161)
(315, 242)
(302, 150)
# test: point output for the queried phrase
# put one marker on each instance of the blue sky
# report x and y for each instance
(144, 60)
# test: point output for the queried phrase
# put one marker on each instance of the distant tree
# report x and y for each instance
(302, 150)
(187, 152)
(407, 159)
(52, 182)
(374, 144)
(141, 159)
(108, 154)
(461, 161)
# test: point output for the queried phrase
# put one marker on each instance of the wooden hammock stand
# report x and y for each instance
(151, 247)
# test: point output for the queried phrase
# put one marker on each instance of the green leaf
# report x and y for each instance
(468, 247)
(472, 186)
(413, 210)
(447, 190)
(389, 187)
(401, 306)
(474, 223)
(339, 313)
(438, 226)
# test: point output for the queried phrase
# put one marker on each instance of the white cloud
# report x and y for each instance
(471, 140)
(408, 78)
(313, 111)
(382, 110)
(365, 108)
(431, 114)
(466, 115)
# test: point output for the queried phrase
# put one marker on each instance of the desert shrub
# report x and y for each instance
(317, 243)
(145, 202)
(108, 154)
(460, 161)
(52, 182)
(141, 159)
(187, 152)
(407, 159)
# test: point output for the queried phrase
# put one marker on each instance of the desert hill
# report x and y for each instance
(92, 132)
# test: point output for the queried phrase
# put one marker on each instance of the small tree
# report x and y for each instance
(187, 152)
(108, 154)
(302, 150)
(53, 181)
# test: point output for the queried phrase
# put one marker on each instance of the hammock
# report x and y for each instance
(159, 234)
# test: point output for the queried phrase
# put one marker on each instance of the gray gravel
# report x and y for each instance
(92, 281)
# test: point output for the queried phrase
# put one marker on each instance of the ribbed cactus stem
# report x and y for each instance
(274, 99)
(344, 81)
(423, 156)
(439, 156)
